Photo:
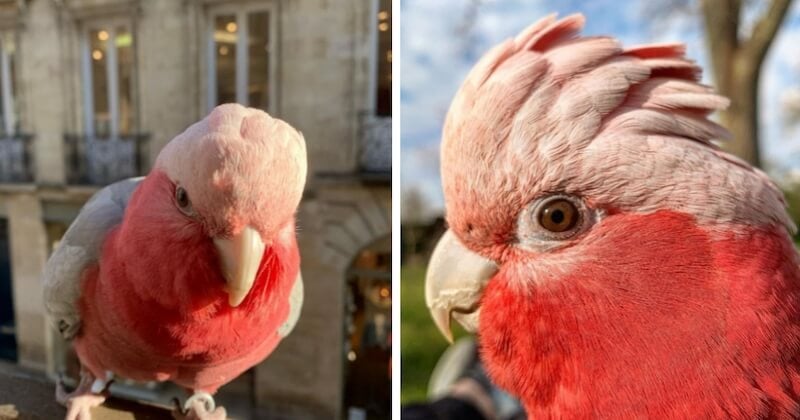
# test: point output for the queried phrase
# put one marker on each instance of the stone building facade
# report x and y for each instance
(91, 90)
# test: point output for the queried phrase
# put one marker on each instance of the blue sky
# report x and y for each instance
(435, 59)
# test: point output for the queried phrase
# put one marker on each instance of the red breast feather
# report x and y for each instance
(661, 320)
(155, 307)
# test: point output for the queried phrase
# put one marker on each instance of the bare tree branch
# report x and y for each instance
(737, 66)
(765, 29)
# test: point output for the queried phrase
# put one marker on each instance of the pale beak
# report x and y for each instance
(454, 284)
(240, 257)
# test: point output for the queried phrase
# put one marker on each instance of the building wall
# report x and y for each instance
(168, 70)
(334, 224)
(41, 89)
(28, 254)
(323, 55)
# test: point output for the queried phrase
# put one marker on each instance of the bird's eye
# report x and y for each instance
(558, 215)
(182, 198)
(549, 221)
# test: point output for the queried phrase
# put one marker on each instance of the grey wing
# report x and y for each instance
(295, 305)
(80, 247)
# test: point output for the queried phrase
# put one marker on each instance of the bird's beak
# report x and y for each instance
(240, 257)
(454, 284)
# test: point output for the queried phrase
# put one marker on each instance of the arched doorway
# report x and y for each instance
(8, 342)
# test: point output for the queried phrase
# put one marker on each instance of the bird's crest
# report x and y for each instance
(537, 108)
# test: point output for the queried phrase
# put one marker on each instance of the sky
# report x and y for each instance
(437, 52)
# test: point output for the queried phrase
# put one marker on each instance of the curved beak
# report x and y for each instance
(454, 284)
(240, 257)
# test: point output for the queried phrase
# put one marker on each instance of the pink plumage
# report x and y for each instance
(674, 294)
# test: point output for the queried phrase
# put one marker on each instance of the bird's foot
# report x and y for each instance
(89, 393)
(200, 406)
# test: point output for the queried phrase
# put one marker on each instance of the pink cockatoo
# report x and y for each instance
(614, 262)
(190, 274)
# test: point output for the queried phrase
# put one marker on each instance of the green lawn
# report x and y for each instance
(421, 344)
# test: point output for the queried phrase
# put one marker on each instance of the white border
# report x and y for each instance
(396, 246)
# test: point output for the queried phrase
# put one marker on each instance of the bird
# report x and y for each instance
(612, 259)
(190, 274)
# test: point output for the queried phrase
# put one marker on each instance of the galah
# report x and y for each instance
(191, 273)
(614, 262)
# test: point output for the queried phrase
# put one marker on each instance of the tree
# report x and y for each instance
(412, 214)
(412, 208)
(736, 63)
(791, 105)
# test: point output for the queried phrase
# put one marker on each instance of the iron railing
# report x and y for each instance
(16, 164)
(101, 161)
(375, 144)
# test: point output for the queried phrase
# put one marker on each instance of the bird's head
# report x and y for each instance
(572, 163)
(236, 178)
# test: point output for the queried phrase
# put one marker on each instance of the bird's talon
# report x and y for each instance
(204, 397)
(200, 406)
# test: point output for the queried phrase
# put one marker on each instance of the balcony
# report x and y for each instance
(102, 161)
(15, 159)
(375, 146)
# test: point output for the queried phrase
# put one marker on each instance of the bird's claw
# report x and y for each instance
(204, 398)
(200, 406)
(80, 401)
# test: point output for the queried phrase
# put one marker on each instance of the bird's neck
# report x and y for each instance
(669, 317)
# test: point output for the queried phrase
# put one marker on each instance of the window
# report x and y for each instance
(241, 57)
(383, 67)
(109, 150)
(108, 81)
(8, 110)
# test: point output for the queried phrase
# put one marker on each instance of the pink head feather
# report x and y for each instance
(240, 167)
(627, 129)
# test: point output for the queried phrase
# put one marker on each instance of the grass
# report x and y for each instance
(421, 344)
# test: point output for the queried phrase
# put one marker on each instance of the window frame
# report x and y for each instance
(112, 76)
(241, 11)
(9, 114)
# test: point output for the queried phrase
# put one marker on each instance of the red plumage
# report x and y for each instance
(158, 310)
(664, 320)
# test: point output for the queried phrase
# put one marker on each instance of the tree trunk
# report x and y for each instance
(736, 66)
(741, 117)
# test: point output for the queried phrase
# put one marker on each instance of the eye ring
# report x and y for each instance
(183, 201)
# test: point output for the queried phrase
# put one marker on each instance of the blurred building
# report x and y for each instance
(91, 90)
